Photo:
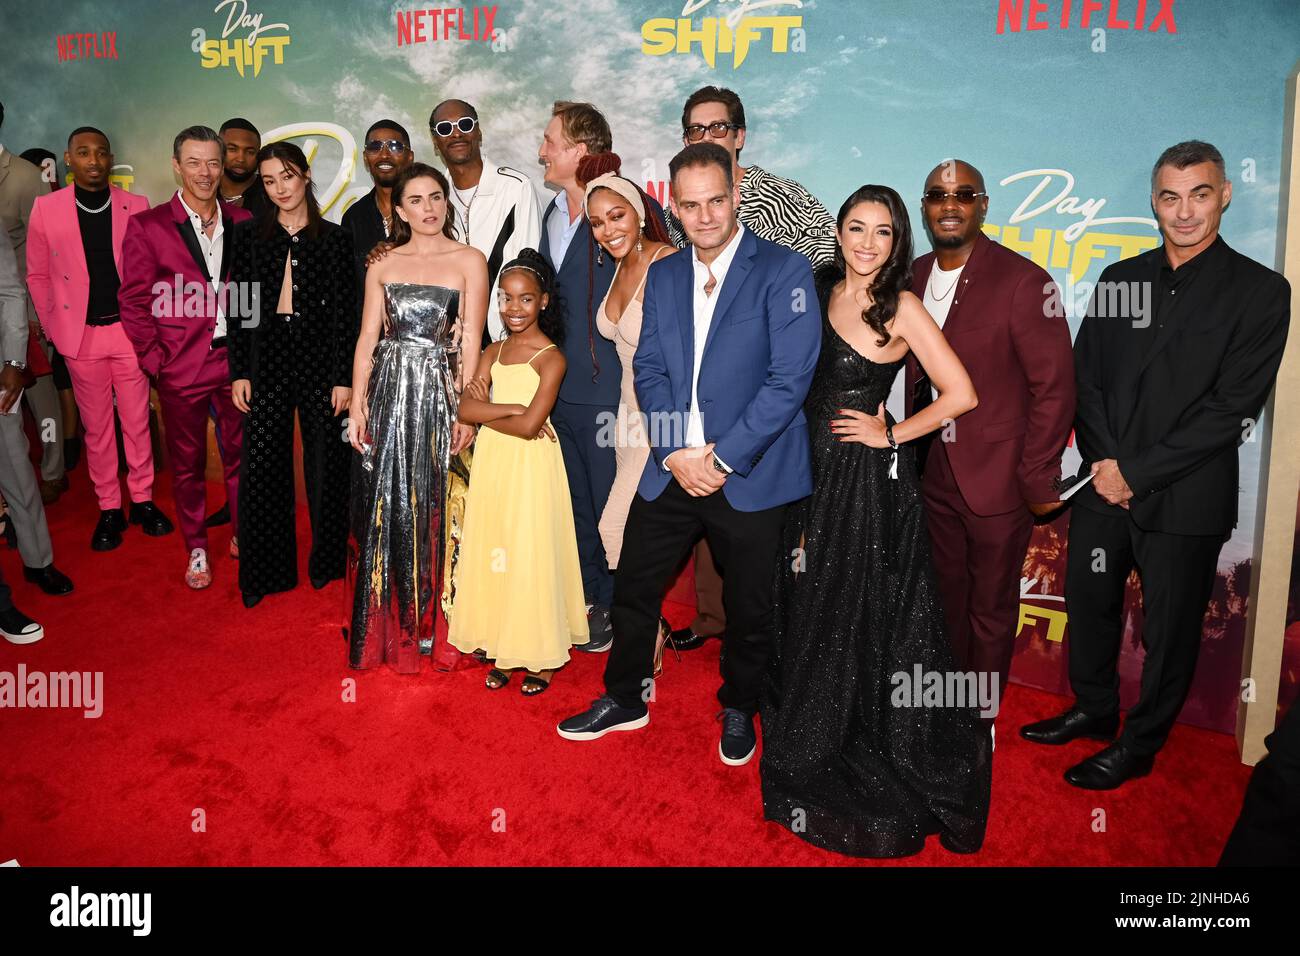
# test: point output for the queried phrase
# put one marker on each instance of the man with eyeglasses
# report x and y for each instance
(496, 207)
(994, 471)
(778, 210)
(387, 151)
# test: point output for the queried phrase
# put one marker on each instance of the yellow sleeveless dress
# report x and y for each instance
(519, 585)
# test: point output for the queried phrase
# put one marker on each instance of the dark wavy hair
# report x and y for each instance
(401, 233)
(533, 264)
(293, 158)
(895, 275)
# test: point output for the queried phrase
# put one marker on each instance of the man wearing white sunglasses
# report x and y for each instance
(496, 206)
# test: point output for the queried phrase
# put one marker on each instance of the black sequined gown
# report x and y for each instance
(842, 767)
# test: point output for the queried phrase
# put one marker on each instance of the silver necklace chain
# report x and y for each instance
(940, 298)
(464, 218)
(107, 202)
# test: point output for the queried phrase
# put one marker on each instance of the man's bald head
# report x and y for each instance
(951, 172)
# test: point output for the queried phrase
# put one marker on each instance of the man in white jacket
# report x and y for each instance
(496, 207)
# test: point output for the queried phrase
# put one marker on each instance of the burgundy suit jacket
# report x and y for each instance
(162, 267)
(1008, 329)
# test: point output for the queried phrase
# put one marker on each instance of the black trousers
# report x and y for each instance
(268, 547)
(658, 535)
(1177, 573)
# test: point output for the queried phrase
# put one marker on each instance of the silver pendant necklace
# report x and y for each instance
(934, 295)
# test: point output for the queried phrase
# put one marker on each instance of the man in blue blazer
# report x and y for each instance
(729, 340)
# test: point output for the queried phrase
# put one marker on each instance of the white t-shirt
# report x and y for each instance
(945, 284)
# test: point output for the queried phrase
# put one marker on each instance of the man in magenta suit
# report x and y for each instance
(74, 256)
(990, 474)
(176, 259)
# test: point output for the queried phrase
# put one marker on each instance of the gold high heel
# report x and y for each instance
(665, 637)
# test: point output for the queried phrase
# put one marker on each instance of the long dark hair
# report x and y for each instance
(296, 163)
(401, 233)
(533, 264)
(895, 275)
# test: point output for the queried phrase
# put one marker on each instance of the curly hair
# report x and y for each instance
(895, 276)
(534, 265)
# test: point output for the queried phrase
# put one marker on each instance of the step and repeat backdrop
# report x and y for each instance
(1063, 104)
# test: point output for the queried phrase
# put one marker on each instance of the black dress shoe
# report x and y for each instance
(251, 600)
(50, 579)
(219, 517)
(1071, 725)
(108, 533)
(151, 521)
(684, 639)
(1110, 768)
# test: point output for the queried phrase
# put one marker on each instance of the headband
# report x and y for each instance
(624, 187)
(510, 267)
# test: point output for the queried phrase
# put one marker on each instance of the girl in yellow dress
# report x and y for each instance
(519, 599)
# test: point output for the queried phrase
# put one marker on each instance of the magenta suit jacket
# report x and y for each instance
(162, 269)
(1006, 326)
(56, 261)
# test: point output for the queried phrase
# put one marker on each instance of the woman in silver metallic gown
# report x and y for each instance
(426, 296)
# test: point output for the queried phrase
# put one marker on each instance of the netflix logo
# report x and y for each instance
(1015, 15)
(87, 46)
(450, 23)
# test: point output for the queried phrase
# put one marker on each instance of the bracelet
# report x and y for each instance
(21, 366)
(889, 437)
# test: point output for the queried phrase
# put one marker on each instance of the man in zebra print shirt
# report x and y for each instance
(776, 209)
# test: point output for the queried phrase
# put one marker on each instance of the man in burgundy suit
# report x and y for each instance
(991, 473)
(175, 261)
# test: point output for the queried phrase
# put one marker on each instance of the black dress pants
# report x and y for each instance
(658, 535)
(1177, 573)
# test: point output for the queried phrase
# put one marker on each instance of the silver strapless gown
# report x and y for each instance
(399, 484)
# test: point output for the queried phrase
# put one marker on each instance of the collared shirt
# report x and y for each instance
(559, 230)
(703, 308)
(212, 252)
(1171, 285)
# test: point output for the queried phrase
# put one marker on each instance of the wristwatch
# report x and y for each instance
(717, 466)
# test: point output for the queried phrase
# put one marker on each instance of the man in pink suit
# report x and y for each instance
(176, 259)
(992, 472)
(74, 256)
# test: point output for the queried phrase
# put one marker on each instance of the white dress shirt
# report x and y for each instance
(703, 306)
(212, 252)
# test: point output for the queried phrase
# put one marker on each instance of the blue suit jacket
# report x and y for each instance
(584, 383)
(758, 362)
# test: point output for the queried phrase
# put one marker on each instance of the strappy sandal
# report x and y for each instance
(664, 638)
(480, 655)
(497, 678)
(533, 685)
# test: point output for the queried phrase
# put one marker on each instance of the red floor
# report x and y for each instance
(240, 714)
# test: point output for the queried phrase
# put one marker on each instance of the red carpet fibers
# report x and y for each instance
(240, 714)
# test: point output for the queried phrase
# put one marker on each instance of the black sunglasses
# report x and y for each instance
(445, 128)
(965, 196)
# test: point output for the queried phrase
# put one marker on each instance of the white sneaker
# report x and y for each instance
(197, 575)
(18, 628)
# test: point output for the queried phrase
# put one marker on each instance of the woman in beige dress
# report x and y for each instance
(616, 210)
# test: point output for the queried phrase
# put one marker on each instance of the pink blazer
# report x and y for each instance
(162, 265)
(56, 262)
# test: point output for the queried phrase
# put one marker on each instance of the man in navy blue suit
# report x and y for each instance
(729, 341)
(589, 394)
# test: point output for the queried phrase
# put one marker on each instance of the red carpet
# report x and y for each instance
(240, 714)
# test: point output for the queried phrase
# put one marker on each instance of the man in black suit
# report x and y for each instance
(1179, 349)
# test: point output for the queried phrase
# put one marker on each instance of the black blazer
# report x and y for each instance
(323, 298)
(1172, 404)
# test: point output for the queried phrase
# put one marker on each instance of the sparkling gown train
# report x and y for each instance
(399, 484)
(842, 767)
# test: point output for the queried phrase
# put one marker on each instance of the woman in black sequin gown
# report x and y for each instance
(856, 600)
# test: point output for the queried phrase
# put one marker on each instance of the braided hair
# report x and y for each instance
(551, 318)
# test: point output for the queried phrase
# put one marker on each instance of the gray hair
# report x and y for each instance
(204, 134)
(1188, 153)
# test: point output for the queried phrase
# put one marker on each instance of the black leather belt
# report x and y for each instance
(102, 320)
